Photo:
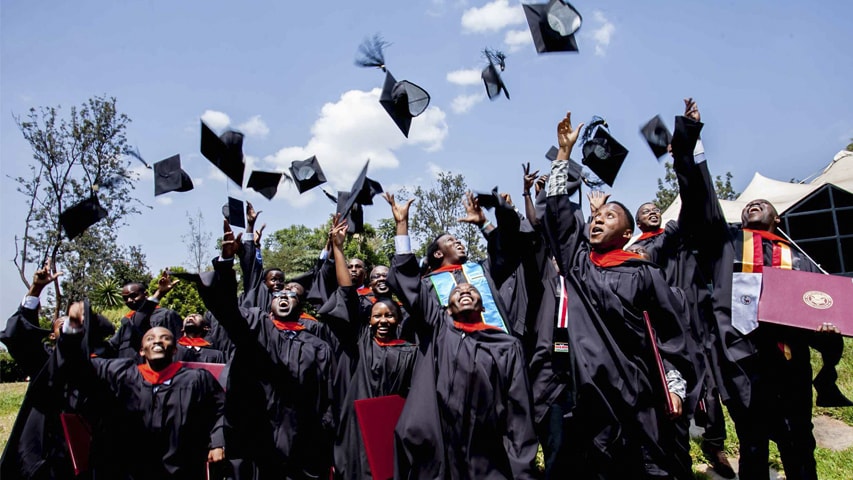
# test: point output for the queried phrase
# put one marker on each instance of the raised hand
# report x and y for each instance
(473, 213)
(529, 178)
(567, 136)
(400, 212)
(42, 278)
(230, 245)
(251, 214)
(258, 234)
(540, 183)
(597, 199)
(165, 284)
(338, 232)
(691, 110)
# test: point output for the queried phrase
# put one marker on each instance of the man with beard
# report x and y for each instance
(279, 395)
(173, 422)
(620, 424)
(765, 369)
(128, 339)
(192, 347)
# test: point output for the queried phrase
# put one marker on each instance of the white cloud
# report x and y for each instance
(602, 34)
(216, 174)
(215, 120)
(144, 172)
(463, 103)
(434, 170)
(164, 200)
(492, 17)
(254, 127)
(464, 77)
(515, 39)
(356, 128)
(198, 181)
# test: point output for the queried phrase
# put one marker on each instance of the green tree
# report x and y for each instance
(183, 298)
(74, 158)
(668, 187)
(850, 146)
(294, 249)
(199, 243)
(437, 210)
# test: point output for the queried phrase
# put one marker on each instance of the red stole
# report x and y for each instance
(651, 234)
(193, 342)
(753, 251)
(612, 258)
(474, 327)
(447, 268)
(157, 378)
(389, 343)
(131, 313)
(363, 291)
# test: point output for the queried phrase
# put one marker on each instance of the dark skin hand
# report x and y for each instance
(230, 245)
(473, 213)
(41, 279)
(400, 212)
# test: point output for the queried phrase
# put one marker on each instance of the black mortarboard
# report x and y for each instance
(307, 174)
(492, 77)
(364, 189)
(488, 200)
(353, 211)
(170, 177)
(265, 183)
(233, 212)
(403, 101)
(551, 154)
(553, 26)
(305, 279)
(604, 155)
(656, 135)
(575, 170)
(225, 152)
(77, 218)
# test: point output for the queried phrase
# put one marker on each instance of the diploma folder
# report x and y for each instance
(377, 418)
(78, 437)
(214, 368)
(806, 300)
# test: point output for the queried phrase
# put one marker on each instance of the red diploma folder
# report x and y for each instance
(661, 372)
(213, 368)
(78, 437)
(806, 300)
(377, 418)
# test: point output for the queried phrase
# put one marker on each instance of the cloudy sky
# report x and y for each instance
(772, 79)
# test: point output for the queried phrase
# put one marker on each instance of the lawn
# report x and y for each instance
(831, 465)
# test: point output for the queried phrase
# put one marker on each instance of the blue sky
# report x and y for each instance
(772, 79)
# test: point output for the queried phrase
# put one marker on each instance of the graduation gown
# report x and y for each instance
(619, 415)
(206, 354)
(468, 413)
(279, 394)
(128, 339)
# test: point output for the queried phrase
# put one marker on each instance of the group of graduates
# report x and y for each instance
(562, 337)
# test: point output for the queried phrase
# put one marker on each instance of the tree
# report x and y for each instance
(850, 146)
(198, 242)
(74, 158)
(668, 188)
(183, 298)
(436, 212)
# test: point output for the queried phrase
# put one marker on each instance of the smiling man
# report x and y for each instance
(145, 312)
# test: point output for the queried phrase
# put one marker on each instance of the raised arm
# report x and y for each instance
(251, 262)
(404, 276)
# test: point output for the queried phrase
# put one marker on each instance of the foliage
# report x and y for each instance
(850, 146)
(668, 187)
(74, 158)
(198, 242)
(183, 299)
(10, 371)
(106, 294)
(436, 211)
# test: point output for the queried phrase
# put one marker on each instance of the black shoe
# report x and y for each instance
(719, 463)
(831, 396)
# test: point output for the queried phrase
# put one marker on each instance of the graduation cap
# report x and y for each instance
(170, 177)
(307, 174)
(657, 136)
(78, 217)
(233, 212)
(553, 26)
(488, 200)
(490, 75)
(402, 100)
(601, 152)
(355, 217)
(225, 152)
(265, 183)
(575, 169)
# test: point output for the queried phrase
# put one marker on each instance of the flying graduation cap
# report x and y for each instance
(488, 200)
(233, 212)
(80, 216)
(266, 183)
(657, 136)
(362, 192)
(225, 152)
(307, 174)
(490, 75)
(402, 100)
(553, 26)
(601, 152)
(170, 177)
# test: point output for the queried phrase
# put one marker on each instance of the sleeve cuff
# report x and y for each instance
(402, 244)
(229, 259)
(67, 329)
(676, 383)
(156, 301)
(699, 152)
(324, 254)
(30, 302)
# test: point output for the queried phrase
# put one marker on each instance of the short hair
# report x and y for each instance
(641, 207)
(268, 270)
(140, 285)
(627, 213)
(431, 249)
(392, 305)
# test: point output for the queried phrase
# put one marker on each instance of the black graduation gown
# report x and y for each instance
(36, 447)
(279, 395)
(166, 430)
(468, 414)
(203, 354)
(619, 412)
(128, 339)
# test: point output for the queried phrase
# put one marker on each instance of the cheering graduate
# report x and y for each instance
(192, 347)
(468, 413)
(128, 339)
(173, 416)
(765, 373)
(279, 395)
(629, 383)
(382, 363)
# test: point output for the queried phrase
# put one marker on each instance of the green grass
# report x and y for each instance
(11, 396)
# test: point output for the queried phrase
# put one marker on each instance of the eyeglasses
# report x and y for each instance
(285, 293)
